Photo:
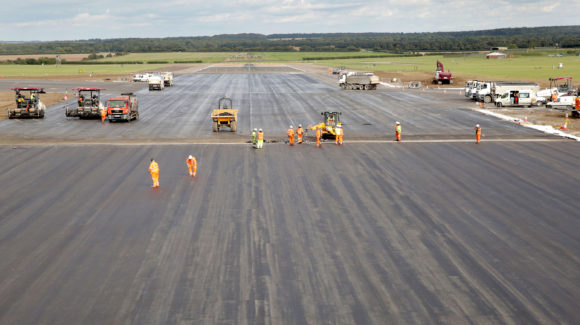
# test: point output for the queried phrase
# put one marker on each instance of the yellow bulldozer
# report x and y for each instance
(329, 123)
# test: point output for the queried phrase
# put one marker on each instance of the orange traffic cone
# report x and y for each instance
(565, 125)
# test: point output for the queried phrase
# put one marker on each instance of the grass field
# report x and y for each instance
(10, 70)
(525, 67)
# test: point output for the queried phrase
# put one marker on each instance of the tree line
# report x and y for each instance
(553, 36)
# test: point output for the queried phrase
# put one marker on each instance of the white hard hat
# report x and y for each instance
(476, 125)
(291, 127)
(397, 122)
(255, 129)
(190, 157)
(299, 125)
(260, 129)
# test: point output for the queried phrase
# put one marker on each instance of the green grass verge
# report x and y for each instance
(10, 70)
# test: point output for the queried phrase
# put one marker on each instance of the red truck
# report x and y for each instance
(123, 108)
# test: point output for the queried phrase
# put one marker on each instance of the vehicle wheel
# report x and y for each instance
(487, 99)
(499, 104)
(215, 127)
(234, 126)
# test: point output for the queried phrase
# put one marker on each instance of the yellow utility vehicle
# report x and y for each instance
(225, 115)
(328, 126)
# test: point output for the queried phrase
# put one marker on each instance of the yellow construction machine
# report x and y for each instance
(224, 115)
(328, 126)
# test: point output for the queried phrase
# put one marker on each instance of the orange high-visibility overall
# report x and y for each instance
(398, 132)
(339, 134)
(299, 133)
(290, 133)
(154, 170)
(477, 134)
(192, 166)
(103, 115)
(318, 136)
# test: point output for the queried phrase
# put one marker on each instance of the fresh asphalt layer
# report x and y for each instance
(273, 102)
(432, 230)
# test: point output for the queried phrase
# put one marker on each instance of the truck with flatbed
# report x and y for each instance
(168, 79)
(156, 82)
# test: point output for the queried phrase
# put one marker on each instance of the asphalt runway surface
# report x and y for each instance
(434, 230)
(273, 102)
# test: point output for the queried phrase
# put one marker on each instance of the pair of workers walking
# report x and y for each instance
(258, 138)
(190, 162)
(299, 134)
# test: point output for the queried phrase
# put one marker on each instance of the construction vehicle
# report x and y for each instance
(225, 115)
(560, 85)
(328, 125)
(442, 77)
(27, 106)
(489, 91)
(156, 82)
(88, 104)
(168, 79)
(358, 80)
(123, 108)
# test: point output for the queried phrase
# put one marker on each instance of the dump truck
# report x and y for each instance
(156, 82)
(168, 79)
(358, 80)
(123, 108)
(442, 77)
(225, 115)
(328, 125)
(88, 104)
(28, 104)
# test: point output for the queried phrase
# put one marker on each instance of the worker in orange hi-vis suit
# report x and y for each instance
(103, 115)
(339, 134)
(555, 97)
(191, 163)
(154, 170)
(398, 131)
(477, 133)
(299, 133)
(290, 133)
(577, 104)
(318, 136)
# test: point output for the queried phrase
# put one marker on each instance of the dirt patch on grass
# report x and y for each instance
(543, 116)
(7, 101)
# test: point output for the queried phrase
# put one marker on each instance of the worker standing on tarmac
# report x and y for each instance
(318, 136)
(398, 131)
(477, 133)
(260, 139)
(103, 113)
(290, 133)
(577, 103)
(191, 163)
(154, 170)
(299, 133)
(254, 137)
(339, 134)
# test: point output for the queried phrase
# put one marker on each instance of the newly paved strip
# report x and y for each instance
(362, 234)
(271, 101)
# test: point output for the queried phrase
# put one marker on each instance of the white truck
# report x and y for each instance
(472, 91)
(468, 86)
(168, 79)
(156, 82)
(523, 97)
(358, 80)
(488, 91)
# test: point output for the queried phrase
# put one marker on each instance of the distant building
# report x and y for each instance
(496, 55)
(499, 48)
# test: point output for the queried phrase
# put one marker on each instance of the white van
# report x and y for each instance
(519, 98)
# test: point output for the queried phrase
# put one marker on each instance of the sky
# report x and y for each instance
(30, 20)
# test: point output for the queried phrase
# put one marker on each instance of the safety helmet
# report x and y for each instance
(291, 127)
(260, 130)
(397, 122)
(476, 125)
(255, 129)
(190, 157)
(299, 125)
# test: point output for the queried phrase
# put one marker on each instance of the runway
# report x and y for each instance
(435, 229)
